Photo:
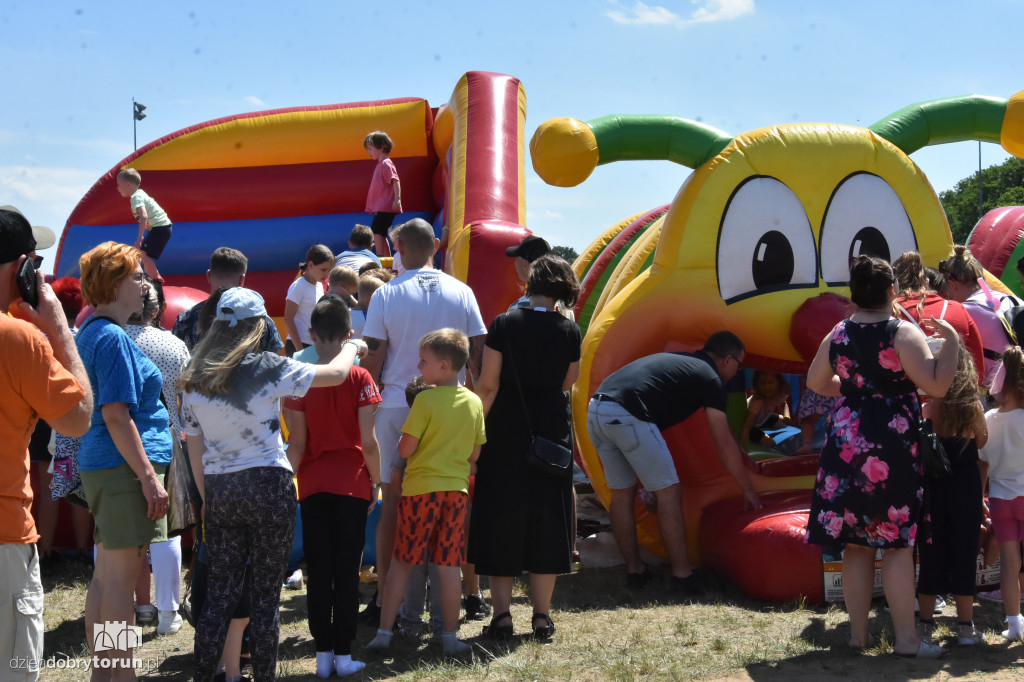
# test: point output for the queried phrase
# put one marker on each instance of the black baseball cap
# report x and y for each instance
(18, 237)
(531, 248)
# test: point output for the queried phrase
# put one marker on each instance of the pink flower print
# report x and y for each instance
(900, 423)
(858, 380)
(839, 335)
(875, 469)
(850, 518)
(847, 451)
(842, 416)
(829, 490)
(835, 526)
(887, 531)
(912, 536)
(890, 360)
(843, 365)
(901, 515)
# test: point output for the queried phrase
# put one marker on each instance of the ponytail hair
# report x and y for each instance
(870, 279)
(316, 255)
(1013, 375)
(961, 266)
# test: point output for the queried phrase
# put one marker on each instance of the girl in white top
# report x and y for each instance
(1002, 462)
(303, 294)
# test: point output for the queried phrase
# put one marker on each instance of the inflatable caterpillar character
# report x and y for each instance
(757, 241)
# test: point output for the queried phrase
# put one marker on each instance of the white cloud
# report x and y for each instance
(254, 100)
(45, 184)
(654, 15)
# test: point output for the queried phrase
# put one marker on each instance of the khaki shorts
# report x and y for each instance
(117, 504)
(21, 613)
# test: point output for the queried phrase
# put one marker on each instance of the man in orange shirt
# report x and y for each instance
(40, 377)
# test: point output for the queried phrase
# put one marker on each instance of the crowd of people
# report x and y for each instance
(371, 390)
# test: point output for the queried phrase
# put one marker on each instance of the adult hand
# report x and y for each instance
(942, 328)
(157, 500)
(49, 316)
(361, 348)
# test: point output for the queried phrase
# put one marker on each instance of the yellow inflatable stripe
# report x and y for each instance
(458, 244)
(592, 251)
(296, 137)
(1012, 134)
(521, 132)
(629, 267)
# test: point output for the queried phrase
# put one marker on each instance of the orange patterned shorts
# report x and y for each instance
(432, 525)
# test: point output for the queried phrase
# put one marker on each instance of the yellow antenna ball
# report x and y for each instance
(564, 151)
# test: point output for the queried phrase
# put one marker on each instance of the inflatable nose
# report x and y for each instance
(814, 319)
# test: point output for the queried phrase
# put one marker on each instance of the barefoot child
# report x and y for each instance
(1002, 462)
(154, 225)
(333, 450)
(303, 294)
(441, 438)
(384, 199)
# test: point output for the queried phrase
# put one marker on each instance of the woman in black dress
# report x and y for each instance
(521, 516)
(871, 482)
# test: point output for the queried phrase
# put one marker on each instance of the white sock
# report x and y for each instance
(345, 666)
(452, 644)
(324, 664)
(382, 640)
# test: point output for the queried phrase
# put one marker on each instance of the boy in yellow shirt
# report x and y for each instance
(441, 439)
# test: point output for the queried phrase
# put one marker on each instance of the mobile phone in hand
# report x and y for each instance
(26, 279)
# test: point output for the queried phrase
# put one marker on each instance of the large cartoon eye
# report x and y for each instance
(865, 217)
(765, 241)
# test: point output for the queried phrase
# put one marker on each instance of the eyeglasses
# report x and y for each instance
(739, 363)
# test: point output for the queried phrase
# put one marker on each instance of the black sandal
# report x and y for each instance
(545, 632)
(495, 631)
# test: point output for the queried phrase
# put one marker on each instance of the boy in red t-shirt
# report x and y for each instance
(333, 450)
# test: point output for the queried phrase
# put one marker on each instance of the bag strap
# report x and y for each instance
(911, 318)
(95, 318)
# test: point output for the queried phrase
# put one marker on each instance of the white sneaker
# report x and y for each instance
(295, 581)
(169, 623)
(345, 666)
(145, 614)
(1016, 629)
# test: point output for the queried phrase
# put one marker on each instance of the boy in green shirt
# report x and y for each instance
(441, 439)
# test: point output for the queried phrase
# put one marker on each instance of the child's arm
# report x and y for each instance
(476, 454)
(143, 221)
(407, 445)
(980, 428)
(298, 435)
(398, 193)
(368, 438)
(752, 410)
(291, 309)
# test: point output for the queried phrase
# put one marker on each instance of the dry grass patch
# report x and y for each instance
(605, 632)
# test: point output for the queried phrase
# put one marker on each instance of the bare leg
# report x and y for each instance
(380, 245)
(673, 530)
(470, 580)
(451, 590)
(110, 600)
(386, 528)
(231, 658)
(623, 528)
(542, 586)
(81, 523)
(858, 580)
(48, 510)
(898, 583)
(927, 605)
(501, 594)
(394, 592)
(964, 607)
(149, 265)
(1009, 576)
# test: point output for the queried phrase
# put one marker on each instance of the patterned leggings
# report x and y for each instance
(249, 514)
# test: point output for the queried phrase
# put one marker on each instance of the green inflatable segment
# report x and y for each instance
(657, 137)
(940, 121)
(587, 313)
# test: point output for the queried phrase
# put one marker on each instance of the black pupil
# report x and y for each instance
(773, 260)
(869, 242)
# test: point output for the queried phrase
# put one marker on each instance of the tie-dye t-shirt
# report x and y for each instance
(242, 430)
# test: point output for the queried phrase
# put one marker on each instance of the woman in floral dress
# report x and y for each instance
(870, 483)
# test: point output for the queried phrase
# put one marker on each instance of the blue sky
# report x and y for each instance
(72, 68)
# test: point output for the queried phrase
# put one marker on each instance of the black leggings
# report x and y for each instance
(249, 513)
(949, 561)
(333, 533)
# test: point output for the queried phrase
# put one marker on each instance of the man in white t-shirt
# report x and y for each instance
(419, 301)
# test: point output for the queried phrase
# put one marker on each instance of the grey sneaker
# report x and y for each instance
(969, 635)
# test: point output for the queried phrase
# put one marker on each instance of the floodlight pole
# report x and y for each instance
(137, 115)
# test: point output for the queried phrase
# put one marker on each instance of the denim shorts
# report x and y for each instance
(629, 448)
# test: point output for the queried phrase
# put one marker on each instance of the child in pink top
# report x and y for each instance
(384, 199)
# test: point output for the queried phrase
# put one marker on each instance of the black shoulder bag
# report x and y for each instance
(543, 454)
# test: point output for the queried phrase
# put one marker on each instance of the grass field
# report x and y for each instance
(605, 632)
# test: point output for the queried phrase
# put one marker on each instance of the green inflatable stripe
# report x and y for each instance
(656, 137)
(588, 308)
(954, 119)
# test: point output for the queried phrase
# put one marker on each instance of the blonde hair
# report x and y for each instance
(960, 409)
(103, 270)
(131, 175)
(216, 357)
(345, 276)
(962, 266)
(448, 344)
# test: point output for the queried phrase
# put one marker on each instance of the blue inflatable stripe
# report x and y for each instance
(270, 244)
